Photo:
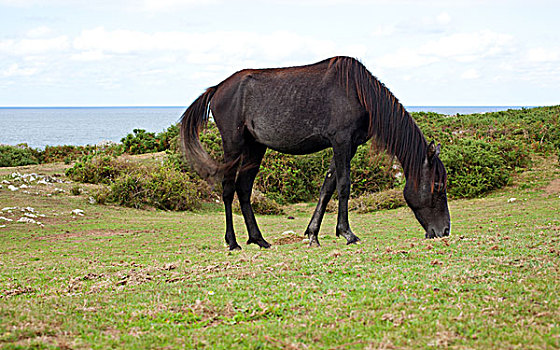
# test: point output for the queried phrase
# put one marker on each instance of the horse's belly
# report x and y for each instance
(292, 142)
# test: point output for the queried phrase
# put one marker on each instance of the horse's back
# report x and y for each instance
(292, 110)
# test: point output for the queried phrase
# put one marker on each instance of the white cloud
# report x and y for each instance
(457, 47)
(39, 32)
(443, 18)
(468, 47)
(541, 54)
(28, 46)
(470, 74)
(405, 58)
(171, 5)
(15, 70)
(217, 46)
(89, 56)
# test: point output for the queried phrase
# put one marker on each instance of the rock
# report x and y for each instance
(78, 212)
(5, 219)
(511, 200)
(27, 220)
(13, 188)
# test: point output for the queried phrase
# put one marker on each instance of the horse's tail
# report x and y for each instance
(193, 120)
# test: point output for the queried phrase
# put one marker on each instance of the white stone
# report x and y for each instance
(78, 212)
(13, 188)
(27, 220)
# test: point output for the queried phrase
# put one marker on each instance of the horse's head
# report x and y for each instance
(428, 197)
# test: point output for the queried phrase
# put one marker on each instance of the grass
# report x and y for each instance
(125, 278)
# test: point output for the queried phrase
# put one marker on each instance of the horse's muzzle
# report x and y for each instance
(433, 233)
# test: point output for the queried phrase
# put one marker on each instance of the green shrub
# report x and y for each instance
(168, 139)
(288, 179)
(17, 156)
(170, 189)
(76, 190)
(371, 171)
(475, 167)
(369, 202)
(140, 142)
(129, 190)
(64, 153)
(161, 188)
(261, 204)
(96, 168)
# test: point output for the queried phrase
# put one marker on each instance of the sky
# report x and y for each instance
(167, 52)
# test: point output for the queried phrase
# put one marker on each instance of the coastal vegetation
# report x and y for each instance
(481, 153)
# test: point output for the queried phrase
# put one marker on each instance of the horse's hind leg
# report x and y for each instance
(244, 186)
(327, 190)
(228, 185)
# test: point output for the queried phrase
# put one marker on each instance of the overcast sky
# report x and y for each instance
(166, 52)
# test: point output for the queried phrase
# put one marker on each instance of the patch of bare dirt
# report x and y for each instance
(553, 187)
(288, 239)
(92, 234)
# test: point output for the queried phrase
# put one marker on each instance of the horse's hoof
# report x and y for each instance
(260, 242)
(314, 242)
(234, 247)
(353, 240)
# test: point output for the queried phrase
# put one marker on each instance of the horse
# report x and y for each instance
(334, 103)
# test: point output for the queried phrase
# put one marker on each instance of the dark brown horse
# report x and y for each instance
(334, 103)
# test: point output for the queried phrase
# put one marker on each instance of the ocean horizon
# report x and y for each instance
(39, 127)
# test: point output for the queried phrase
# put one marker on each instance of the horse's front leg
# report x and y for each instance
(342, 156)
(327, 190)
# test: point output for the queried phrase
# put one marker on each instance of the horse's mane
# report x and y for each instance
(390, 124)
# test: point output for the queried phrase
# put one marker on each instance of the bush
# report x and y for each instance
(136, 186)
(96, 168)
(170, 189)
(17, 156)
(169, 138)
(129, 190)
(140, 142)
(162, 188)
(370, 202)
(371, 171)
(288, 179)
(261, 204)
(475, 167)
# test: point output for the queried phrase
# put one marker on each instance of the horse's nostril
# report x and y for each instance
(446, 231)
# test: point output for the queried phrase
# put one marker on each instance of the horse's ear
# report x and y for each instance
(433, 151)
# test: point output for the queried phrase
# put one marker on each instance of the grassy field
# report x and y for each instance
(125, 278)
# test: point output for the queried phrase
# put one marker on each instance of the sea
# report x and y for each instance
(54, 126)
